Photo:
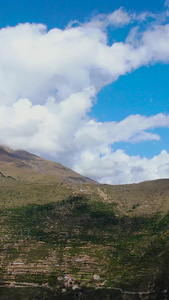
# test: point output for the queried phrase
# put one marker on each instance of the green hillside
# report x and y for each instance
(63, 241)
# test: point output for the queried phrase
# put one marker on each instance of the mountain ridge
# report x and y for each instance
(21, 164)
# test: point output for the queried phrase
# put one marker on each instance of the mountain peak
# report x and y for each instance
(28, 166)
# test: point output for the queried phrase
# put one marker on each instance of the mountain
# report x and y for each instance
(26, 166)
(73, 241)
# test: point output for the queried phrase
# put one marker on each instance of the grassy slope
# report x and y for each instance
(120, 233)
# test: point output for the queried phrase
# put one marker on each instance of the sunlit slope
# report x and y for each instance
(145, 198)
(23, 165)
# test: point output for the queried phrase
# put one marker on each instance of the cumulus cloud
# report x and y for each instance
(118, 167)
(49, 81)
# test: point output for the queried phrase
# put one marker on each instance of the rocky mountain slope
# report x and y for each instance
(24, 165)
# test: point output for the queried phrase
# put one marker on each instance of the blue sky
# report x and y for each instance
(89, 87)
(144, 91)
(56, 13)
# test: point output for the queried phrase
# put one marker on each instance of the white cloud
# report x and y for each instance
(120, 168)
(96, 159)
(49, 81)
(131, 129)
(120, 17)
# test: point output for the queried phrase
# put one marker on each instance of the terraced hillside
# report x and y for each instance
(64, 241)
